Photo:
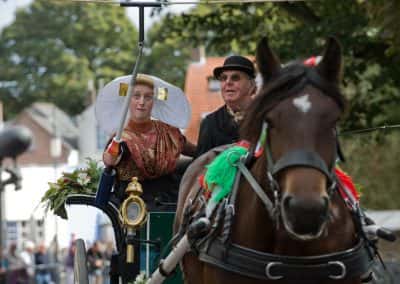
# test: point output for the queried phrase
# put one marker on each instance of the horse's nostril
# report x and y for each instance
(300, 206)
(304, 216)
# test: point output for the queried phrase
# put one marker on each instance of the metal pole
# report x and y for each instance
(1, 184)
(1, 207)
(55, 153)
(128, 98)
(141, 6)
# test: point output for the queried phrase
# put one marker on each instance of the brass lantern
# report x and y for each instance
(133, 209)
(134, 214)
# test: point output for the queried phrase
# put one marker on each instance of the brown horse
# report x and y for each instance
(309, 234)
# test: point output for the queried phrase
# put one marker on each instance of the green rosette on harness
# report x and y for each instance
(221, 172)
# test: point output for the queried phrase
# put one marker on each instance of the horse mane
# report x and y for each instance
(290, 80)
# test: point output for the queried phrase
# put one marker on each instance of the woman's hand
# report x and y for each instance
(112, 154)
(110, 160)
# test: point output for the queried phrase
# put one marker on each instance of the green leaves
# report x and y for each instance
(298, 30)
(372, 161)
(53, 49)
(369, 33)
(80, 181)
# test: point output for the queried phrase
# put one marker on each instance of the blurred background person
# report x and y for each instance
(3, 266)
(42, 273)
(28, 260)
(95, 264)
(16, 271)
(69, 260)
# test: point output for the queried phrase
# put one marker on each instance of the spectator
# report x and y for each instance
(69, 261)
(96, 264)
(42, 262)
(16, 271)
(3, 267)
(28, 260)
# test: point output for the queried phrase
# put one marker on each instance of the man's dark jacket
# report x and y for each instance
(217, 128)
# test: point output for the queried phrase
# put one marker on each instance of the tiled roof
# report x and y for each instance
(55, 121)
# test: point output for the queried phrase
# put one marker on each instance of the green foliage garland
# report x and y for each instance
(80, 181)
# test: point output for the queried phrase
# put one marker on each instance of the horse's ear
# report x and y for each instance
(267, 62)
(330, 66)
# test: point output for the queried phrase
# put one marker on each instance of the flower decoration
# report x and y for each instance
(80, 181)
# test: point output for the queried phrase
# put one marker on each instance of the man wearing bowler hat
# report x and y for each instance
(237, 78)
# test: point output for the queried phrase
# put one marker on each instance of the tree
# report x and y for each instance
(369, 34)
(372, 76)
(374, 163)
(385, 14)
(166, 58)
(53, 49)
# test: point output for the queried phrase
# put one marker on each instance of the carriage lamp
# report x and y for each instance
(134, 214)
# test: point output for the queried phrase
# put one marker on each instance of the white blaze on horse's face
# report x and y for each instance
(302, 103)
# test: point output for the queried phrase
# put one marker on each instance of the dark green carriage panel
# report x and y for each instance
(157, 228)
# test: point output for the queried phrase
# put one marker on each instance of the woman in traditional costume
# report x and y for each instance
(151, 148)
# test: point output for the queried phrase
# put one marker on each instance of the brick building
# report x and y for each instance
(54, 135)
(203, 92)
(53, 150)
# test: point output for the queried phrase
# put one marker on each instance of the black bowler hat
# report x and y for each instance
(236, 62)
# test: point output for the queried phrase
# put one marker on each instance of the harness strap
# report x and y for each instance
(230, 210)
(257, 188)
(353, 262)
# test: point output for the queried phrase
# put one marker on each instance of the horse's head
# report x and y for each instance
(299, 106)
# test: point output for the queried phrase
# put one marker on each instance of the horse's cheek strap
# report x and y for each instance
(301, 158)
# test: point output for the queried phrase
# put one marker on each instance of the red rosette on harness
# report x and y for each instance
(347, 186)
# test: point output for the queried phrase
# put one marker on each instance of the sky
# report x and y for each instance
(8, 8)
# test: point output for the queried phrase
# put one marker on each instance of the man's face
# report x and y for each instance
(236, 87)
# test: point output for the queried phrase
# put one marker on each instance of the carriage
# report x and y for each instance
(142, 229)
(304, 224)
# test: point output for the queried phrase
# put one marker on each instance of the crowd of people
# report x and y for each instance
(35, 264)
(29, 264)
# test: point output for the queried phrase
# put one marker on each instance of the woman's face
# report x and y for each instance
(141, 103)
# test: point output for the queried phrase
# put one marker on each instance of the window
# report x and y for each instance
(213, 84)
